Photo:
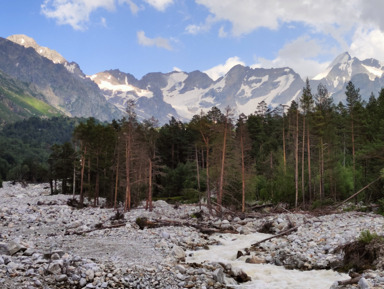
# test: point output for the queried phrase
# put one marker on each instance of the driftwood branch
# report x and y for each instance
(94, 229)
(350, 281)
(258, 207)
(355, 194)
(276, 236)
(143, 222)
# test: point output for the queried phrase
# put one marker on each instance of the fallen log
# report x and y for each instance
(276, 236)
(355, 194)
(98, 227)
(144, 223)
(350, 281)
(258, 207)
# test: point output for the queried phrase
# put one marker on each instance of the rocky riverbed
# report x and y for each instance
(44, 243)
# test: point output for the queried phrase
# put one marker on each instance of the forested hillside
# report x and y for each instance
(310, 153)
(25, 147)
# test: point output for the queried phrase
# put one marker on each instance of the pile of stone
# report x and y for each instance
(44, 243)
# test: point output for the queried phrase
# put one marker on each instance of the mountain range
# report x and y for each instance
(43, 74)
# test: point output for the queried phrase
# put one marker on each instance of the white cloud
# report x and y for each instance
(301, 55)
(74, 12)
(132, 5)
(222, 32)
(193, 29)
(103, 22)
(221, 69)
(248, 15)
(367, 43)
(339, 20)
(160, 5)
(206, 26)
(159, 41)
(372, 13)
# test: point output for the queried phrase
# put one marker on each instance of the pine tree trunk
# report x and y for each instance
(116, 180)
(353, 155)
(127, 206)
(74, 181)
(297, 159)
(221, 184)
(89, 179)
(97, 183)
(207, 172)
(309, 166)
(321, 169)
(198, 174)
(82, 177)
(284, 153)
(242, 173)
(197, 168)
(303, 163)
(206, 142)
(150, 185)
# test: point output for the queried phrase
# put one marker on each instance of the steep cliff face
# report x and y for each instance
(46, 52)
(19, 100)
(62, 85)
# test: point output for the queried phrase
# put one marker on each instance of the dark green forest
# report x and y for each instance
(25, 147)
(309, 153)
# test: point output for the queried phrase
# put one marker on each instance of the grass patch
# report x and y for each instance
(364, 253)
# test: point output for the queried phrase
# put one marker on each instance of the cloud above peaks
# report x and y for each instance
(299, 54)
(160, 5)
(249, 15)
(368, 43)
(132, 5)
(220, 70)
(75, 13)
(158, 42)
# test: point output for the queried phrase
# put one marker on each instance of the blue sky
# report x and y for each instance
(142, 36)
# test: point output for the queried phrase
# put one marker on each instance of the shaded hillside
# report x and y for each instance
(26, 145)
(63, 86)
(19, 101)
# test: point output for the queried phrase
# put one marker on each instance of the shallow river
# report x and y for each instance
(264, 276)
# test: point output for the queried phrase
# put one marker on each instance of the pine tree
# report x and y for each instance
(353, 101)
(306, 102)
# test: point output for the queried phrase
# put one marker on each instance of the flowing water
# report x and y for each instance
(264, 276)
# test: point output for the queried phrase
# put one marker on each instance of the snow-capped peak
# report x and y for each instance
(27, 41)
(343, 58)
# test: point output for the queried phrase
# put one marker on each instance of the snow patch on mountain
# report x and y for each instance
(71, 67)
(323, 74)
(247, 89)
(373, 72)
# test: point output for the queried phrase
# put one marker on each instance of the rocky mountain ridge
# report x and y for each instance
(178, 94)
(183, 95)
(368, 75)
(61, 85)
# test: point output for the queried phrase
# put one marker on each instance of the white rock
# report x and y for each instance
(178, 252)
(363, 283)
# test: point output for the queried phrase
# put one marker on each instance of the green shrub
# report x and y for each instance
(322, 203)
(367, 237)
(381, 206)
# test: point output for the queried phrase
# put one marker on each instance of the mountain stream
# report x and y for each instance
(264, 276)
